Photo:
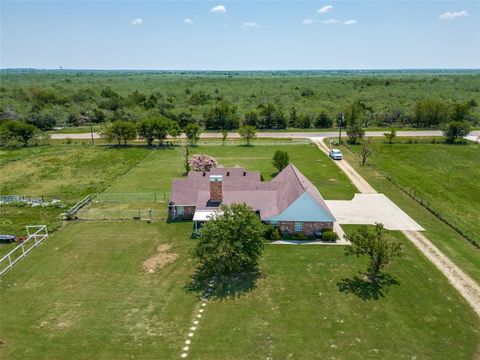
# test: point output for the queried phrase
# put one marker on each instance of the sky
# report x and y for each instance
(240, 35)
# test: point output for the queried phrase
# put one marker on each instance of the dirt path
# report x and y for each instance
(360, 183)
(465, 285)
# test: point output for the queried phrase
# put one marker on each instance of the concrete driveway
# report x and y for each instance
(369, 209)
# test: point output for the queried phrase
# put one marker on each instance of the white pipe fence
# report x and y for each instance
(71, 212)
(33, 240)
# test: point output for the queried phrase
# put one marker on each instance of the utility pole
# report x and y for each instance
(91, 132)
(340, 124)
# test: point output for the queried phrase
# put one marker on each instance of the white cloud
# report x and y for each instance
(325, 9)
(137, 22)
(252, 25)
(308, 21)
(350, 22)
(330, 21)
(188, 21)
(219, 9)
(453, 14)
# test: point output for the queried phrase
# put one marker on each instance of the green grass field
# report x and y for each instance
(84, 293)
(88, 296)
(453, 171)
(446, 176)
(67, 172)
(313, 304)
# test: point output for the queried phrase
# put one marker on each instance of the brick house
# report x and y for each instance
(289, 201)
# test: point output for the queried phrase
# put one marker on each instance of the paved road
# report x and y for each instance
(290, 135)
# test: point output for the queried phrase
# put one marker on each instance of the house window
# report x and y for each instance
(180, 210)
(274, 223)
(298, 227)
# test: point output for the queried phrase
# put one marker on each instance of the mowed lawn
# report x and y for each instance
(452, 170)
(84, 294)
(446, 176)
(155, 172)
(312, 303)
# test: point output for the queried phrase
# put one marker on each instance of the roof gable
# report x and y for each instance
(304, 208)
(295, 184)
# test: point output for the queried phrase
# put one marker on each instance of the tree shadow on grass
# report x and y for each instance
(224, 287)
(366, 289)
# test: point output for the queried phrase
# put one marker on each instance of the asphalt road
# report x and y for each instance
(291, 135)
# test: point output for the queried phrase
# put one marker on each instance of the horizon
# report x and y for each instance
(240, 70)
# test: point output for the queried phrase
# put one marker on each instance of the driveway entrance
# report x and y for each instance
(369, 209)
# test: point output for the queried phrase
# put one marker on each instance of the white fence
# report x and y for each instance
(71, 212)
(36, 234)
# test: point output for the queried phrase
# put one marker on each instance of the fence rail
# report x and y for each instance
(33, 240)
(75, 208)
(131, 197)
(122, 215)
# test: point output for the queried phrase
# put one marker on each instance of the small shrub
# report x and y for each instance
(272, 233)
(329, 235)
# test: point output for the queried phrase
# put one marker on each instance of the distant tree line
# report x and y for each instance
(47, 107)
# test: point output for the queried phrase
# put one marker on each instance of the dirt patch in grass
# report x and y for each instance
(159, 260)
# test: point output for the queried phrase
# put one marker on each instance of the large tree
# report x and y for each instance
(247, 132)
(120, 132)
(374, 243)
(271, 117)
(323, 121)
(231, 242)
(162, 128)
(146, 131)
(14, 131)
(456, 129)
(222, 116)
(429, 112)
(355, 133)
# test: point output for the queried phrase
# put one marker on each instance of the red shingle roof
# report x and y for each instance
(270, 198)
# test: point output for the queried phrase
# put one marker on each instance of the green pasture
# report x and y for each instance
(446, 176)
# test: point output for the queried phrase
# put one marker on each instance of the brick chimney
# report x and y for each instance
(216, 188)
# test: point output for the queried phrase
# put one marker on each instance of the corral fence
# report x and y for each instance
(120, 206)
(131, 197)
(36, 234)
(100, 214)
(70, 214)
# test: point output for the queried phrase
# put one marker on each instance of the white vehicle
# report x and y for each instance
(336, 154)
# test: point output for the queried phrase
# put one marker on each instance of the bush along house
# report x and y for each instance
(289, 201)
